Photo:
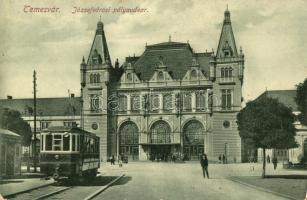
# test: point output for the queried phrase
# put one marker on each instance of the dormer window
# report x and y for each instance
(96, 58)
(160, 76)
(227, 50)
(129, 77)
(193, 74)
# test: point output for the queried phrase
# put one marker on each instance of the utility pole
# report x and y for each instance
(34, 101)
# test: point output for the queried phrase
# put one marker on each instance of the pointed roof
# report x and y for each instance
(99, 47)
(227, 40)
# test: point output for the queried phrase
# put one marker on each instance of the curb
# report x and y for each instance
(103, 188)
(28, 190)
(262, 189)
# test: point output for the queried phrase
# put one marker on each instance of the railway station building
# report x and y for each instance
(169, 101)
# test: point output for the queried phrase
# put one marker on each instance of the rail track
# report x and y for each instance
(86, 191)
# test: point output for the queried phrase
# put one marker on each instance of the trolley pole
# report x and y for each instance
(34, 140)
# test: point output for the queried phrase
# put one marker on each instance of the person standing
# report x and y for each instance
(268, 159)
(275, 162)
(204, 164)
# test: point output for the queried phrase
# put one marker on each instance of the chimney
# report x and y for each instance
(9, 97)
(72, 95)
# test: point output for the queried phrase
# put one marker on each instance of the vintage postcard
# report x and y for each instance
(153, 99)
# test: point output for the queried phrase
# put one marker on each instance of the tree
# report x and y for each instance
(301, 101)
(12, 120)
(269, 124)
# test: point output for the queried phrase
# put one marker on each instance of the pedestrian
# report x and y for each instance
(204, 165)
(112, 160)
(220, 158)
(275, 161)
(268, 159)
(224, 159)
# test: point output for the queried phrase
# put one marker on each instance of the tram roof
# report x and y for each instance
(61, 129)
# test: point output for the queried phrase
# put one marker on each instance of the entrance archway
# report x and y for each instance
(160, 141)
(193, 140)
(129, 140)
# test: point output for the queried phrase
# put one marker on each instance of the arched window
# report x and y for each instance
(129, 140)
(305, 147)
(91, 78)
(187, 99)
(193, 140)
(167, 102)
(160, 76)
(193, 74)
(160, 133)
(98, 78)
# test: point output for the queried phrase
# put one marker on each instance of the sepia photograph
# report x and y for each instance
(153, 99)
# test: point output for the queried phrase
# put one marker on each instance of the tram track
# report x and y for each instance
(55, 191)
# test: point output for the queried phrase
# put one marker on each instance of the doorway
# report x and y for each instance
(160, 152)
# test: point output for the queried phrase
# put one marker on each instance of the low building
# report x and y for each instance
(10, 153)
(295, 154)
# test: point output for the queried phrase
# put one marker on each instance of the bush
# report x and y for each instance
(302, 159)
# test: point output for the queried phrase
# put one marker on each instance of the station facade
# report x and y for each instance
(168, 102)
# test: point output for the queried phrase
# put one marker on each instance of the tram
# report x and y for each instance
(69, 152)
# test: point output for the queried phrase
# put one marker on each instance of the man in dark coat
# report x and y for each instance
(204, 165)
(275, 162)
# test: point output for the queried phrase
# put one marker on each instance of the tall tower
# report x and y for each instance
(226, 69)
(95, 75)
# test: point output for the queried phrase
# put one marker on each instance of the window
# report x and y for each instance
(160, 76)
(73, 142)
(57, 142)
(200, 100)
(69, 124)
(48, 143)
(78, 142)
(42, 142)
(66, 142)
(226, 99)
(160, 133)
(226, 124)
(129, 77)
(95, 78)
(122, 106)
(187, 101)
(44, 125)
(95, 103)
(193, 75)
(135, 103)
(226, 74)
(155, 102)
(167, 102)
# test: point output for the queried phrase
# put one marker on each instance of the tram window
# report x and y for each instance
(57, 142)
(48, 143)
(82, 143)
(73, 143)
(66, 140)
(78, 142)
(42, 142)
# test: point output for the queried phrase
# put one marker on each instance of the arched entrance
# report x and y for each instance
(160, 141)
(129, 140)
(193, 140)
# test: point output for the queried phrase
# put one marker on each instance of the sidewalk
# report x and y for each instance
(12, 186)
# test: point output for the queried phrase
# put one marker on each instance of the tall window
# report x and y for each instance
(95, 102)
(44, 125)
(200, 100)
(155, 102)
(167, 102)
(187, 99)
(226, 99)
(135, 103)
(226, 73)
(129, 77)
(122, 106)
(94, 78)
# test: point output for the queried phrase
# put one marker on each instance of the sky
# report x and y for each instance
(273, 35)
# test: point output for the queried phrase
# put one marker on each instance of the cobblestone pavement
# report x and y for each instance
(167, 181)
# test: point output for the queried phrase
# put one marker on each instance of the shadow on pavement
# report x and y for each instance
(98, 181)
(2, 182)
(289, 176)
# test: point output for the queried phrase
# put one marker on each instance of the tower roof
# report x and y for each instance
(99, 47)
(227, 40)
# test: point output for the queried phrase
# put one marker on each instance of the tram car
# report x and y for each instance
(69, 152)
